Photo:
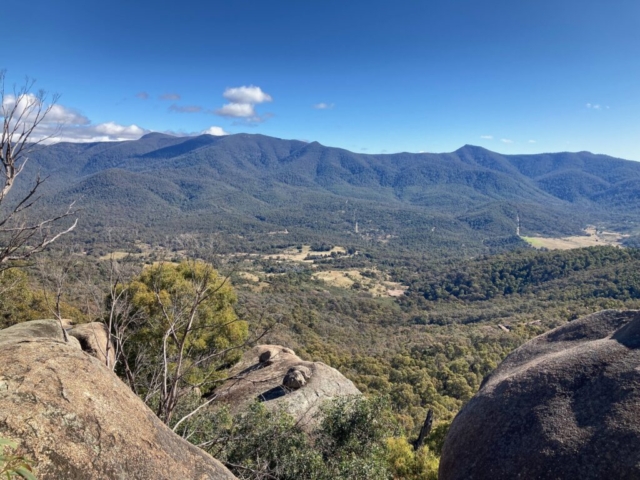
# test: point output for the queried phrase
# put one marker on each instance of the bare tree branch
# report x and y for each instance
(22, 112)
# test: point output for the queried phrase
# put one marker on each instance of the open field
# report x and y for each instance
(300, 255)
(355, 280)
(114, 256)
(592, 238)
(249, 276)
(146, 252)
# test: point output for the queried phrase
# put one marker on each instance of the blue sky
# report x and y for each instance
(513, 76)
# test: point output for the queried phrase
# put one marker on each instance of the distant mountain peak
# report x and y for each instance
(155, 135)
(469, 147)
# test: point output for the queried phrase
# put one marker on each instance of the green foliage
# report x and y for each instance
(268, 442)
(21, 300)
(355, 427)
(407, 464)
(11, 465)
(525, 272)
(16, 298)
(185, 320)
(349, 443)
(167, 294)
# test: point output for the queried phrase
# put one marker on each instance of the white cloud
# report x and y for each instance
(65, 124)
(101, 132)
(506, 140)
(27, 106)
(594, 106)
(487, 137)
(215, 131)
(242, 103)
(588, 105)
(323, 106)
(113, 129)
(241, 110)
(532, 141)
(246, 95)
(60, 114)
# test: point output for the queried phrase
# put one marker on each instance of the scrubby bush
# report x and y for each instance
(356, 438)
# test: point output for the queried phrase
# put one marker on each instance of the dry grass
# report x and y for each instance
(592, 238)
(248, 276)
(375, 286)
(114, 256)
(295, 255)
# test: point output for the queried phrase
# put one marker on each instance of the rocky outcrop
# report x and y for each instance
(77, 420)
(93, 338)
(276, 376)
(562, 406)
(296, 377)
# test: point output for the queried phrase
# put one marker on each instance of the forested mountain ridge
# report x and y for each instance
(254, 183)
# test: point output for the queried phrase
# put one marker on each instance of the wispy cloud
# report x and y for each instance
(143, 95)
(594, 106)
(242, 102)
(185, 108)
(170, 96)
(486, 137)
(254, 121)
(506, 140)
(323, 106)
(532, 141)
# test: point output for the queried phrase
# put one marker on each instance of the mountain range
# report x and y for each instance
(253, 185)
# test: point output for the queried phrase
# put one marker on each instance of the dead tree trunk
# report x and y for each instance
(424, 431)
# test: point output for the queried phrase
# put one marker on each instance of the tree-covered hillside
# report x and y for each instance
(431, 347)
(246, 185)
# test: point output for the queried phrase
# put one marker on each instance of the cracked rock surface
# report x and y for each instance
(78, 420)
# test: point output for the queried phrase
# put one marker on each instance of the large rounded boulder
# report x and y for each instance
(276, 376)
(565, 405)
(74, 417)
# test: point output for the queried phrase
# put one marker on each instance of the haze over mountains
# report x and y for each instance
(245, 184)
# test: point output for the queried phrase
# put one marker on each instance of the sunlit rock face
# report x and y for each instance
(77, 420)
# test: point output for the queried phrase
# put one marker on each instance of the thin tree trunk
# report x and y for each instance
(424, 431)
